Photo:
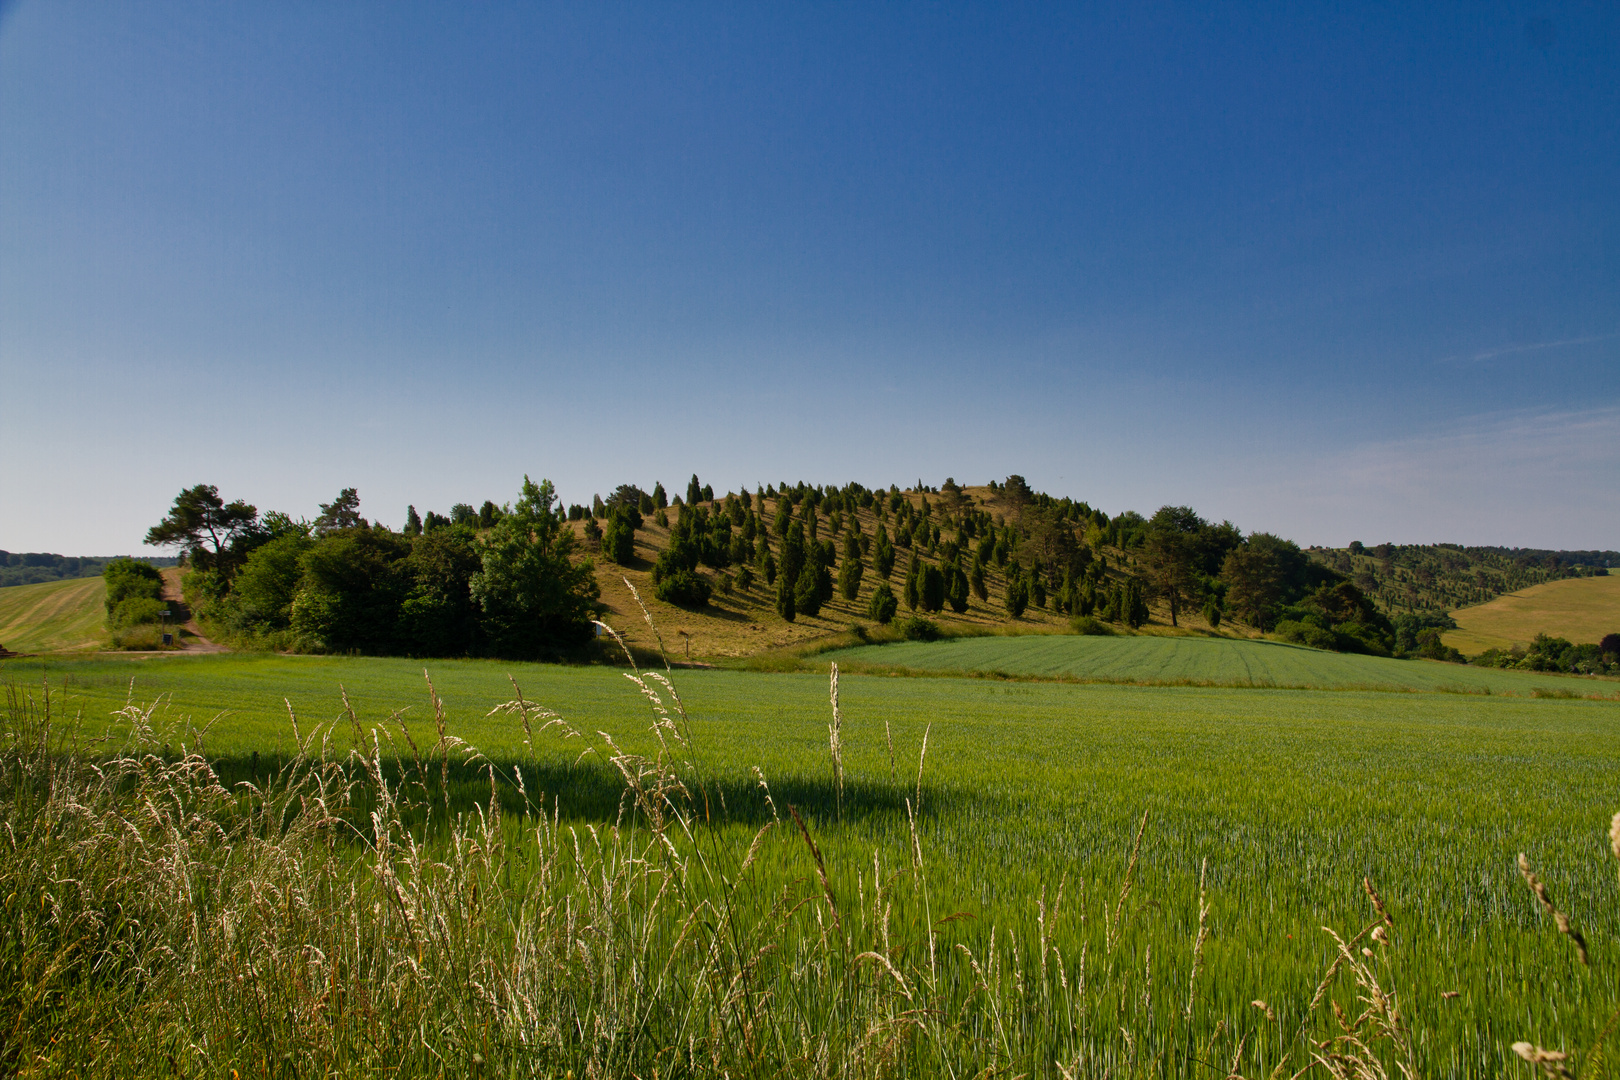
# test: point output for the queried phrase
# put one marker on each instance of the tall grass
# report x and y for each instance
(355, 910)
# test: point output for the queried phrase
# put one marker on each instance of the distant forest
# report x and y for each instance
(1436, 578)
(33, 567)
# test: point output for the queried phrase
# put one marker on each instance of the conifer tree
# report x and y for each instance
(660, 498)
(1017, 592)
(931, 589)
(807, 593)
(694, 491)
(976, 580)
(883, 605)
(883, 554)
(413, 523)
(793, 554)
(849, 574)
(956, 588)
(784, 599)
(598, 508)
(784, 516)
(913, 586)
(1037, 589)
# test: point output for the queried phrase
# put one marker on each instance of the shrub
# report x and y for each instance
(683, 588)
(917, 629)
(127, 578)
(143, 636)
(619, 539)
(136, 611)
(1090, 626)
(1305, 633)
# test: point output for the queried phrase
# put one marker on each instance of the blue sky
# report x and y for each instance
(1331, 271)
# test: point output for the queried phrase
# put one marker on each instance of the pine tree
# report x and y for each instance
(976, 580)
(849, 574)
(913, 586)
(807, 593)
(883, 554)
(793, 554)
(956, 588)
(660, 498)
(784, 516)
(413, 523)
(931, 589)
(598, 508)
(1017, 592)
(694, 491)
(883, 605)
(784, 600)
(1037, 589)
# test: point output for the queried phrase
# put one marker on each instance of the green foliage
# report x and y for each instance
(814, 589)
(883, 553)
(413, 522)
(931, 589)
(851, 570)
(135, 611)
(1133, 605)
(659, 497)
(1017, 598)
(683, 588)
(785, 601)
(1089, 626)
(342, 513)
(128, 579)
(957, 588)
(265, 587)
(534, 597)
(619, 538)
(210, 533)
(916, 629)
(883, 605)
(1435, 578)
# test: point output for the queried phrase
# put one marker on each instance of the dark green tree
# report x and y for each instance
(793, 555)
(660, 497)
(784, 598)
(1170, 555)
(976, 580)
(413, 522)
(849, 573)
(913, 584)
(931, 589)
(883, 554)
(460, 514)
(341, 513)
(533, 595)
(694, 491)
(619, 537)
(956, 588)
(488, 515)
(437, 616)
(1017, 598)
(807, 594)
(883, 605)
(204, 527)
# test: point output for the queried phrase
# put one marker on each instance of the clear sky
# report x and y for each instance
(1333, 271)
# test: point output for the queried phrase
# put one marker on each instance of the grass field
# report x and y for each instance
(1581, 610)
(1289, 796)
(53, 616)
(1199, 661)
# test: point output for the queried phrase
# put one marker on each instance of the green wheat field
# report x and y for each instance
(1282, 801)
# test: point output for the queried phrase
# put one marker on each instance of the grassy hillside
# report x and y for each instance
(742, 623)
(1581, 610)
(1280, 800)
(1437, 578)
(53, 616)
(1198, 661)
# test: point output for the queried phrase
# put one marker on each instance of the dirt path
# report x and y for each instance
(194, 642)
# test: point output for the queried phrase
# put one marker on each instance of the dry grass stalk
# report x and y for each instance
(1565, 927)
(835, 744)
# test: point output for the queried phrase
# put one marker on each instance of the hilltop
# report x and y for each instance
(1438, 578)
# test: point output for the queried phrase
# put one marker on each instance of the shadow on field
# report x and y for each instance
(595, 791)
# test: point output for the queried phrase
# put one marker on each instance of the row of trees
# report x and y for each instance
(514, 589)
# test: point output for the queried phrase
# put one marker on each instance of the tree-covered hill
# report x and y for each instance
(34, 567)
(729, 574)
(1436, 578)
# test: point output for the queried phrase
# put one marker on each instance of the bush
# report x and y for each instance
(127, 578)
(883, 604)
(142, 636)
(1090, 626)
(1304, 633)
(918, 630)
(683, 588)
(136, 611)
(619, 539)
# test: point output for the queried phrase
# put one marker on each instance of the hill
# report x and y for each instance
(36, 567)
(53, 616)
(1172, 661)
(739, 621)
(1581, 610)
(1439, 578)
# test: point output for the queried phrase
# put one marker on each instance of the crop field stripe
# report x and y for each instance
(52, 615)
(1211, 661)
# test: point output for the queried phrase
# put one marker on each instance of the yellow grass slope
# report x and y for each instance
(744, 623)
(1579, 609)
(53, 616)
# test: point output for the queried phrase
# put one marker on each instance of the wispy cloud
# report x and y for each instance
(1534, 346)
(1540, 478)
